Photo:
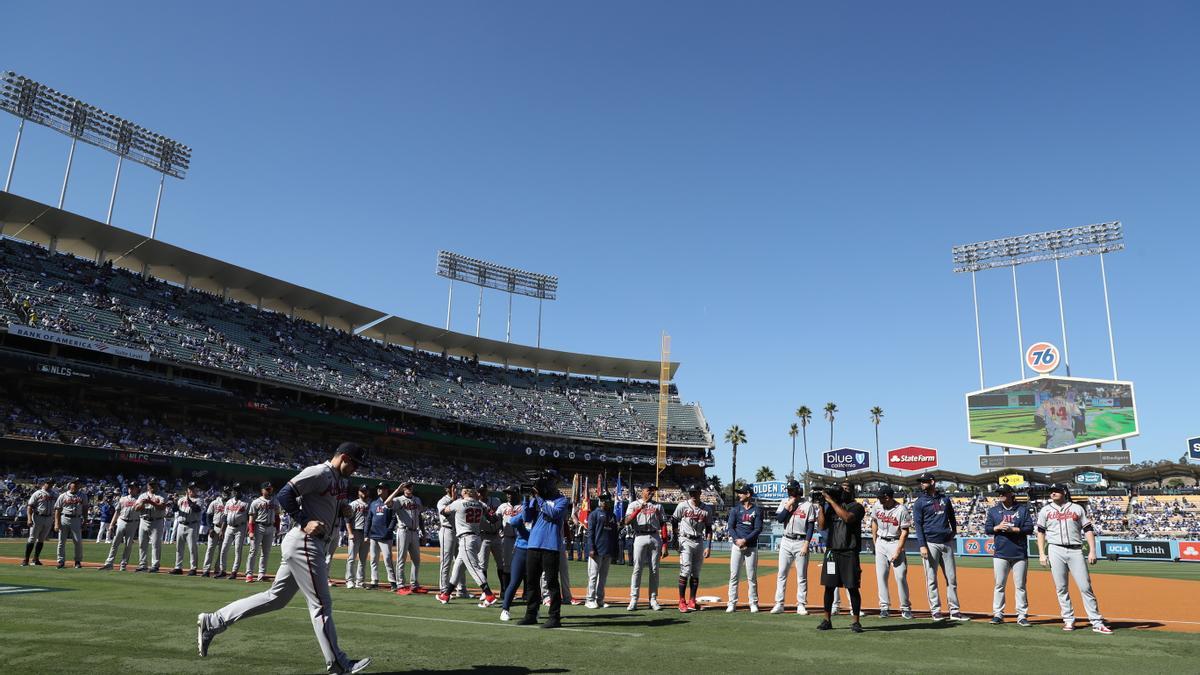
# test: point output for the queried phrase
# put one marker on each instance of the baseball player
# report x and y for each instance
(600, 546)
(646, 516)
(381, 527)
(124, 524)
(489, 533)
(798, 516)
(745, 524)
(1064, 525)
(935, 526)
(506, 511)
(1010, 525)
(469, 513)
(356, 539)
(447, 542)
(39, 516)
(237, 519)
(215, 513)
(890, 524)
(152, 509)
(264, 519)
(313, 498)
(70, 510)
(1060, 417)
(187, 530)
(407, 509)
(693, 523)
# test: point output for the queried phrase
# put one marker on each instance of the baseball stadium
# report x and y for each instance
(209, 466)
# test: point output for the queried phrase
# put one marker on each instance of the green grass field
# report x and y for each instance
(108, 622)
(1015, 426)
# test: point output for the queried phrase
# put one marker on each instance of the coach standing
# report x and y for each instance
(601, 544)
(935, 526)
(381, 525)
(745, 524)
(1011, 525)
(545, 514)
(188, 530)
(39, 514)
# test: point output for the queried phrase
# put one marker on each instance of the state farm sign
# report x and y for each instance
(912, 458)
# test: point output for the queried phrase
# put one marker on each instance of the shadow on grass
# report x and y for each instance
(606, 621)
(932, 625)
(476, 670)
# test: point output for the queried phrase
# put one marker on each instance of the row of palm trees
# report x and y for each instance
(736, 436)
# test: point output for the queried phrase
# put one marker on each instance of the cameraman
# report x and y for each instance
(842, 517)
(545, 515)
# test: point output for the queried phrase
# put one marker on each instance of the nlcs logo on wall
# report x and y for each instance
(1041, 357)
(912, 458)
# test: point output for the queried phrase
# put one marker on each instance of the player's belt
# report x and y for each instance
(888, 538)
(793, 536)
(151, 520)
(1072, 546)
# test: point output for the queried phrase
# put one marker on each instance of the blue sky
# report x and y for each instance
(777, 186)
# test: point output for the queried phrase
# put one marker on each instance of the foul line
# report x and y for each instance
(477, 623)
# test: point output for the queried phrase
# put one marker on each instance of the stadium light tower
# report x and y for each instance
(483, 274)
(33, 101)
(1041, 247)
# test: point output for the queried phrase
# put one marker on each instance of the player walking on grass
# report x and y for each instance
(745, 524)
(313, 498)
(188, 528)
(469, 513)
(216, 530)
(693, 521)
(39, 516)
(1064, 525)
(1010, 525)
(407, 508)
(237, 520)
(798, 516)
(153, 510)
(70, 510)
(356, 539)
(264, 518)
(935, 526)
(646, 517)
(124, 524)
(890, 523)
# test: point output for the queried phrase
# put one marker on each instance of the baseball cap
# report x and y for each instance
(407, 483)
(606, 497)
(381, 486)
(236, 486)
(886, 491)
(1059, 487)
(926, 478)
(265, 485)
(364, 488)
(1005, 490)
(192, 484)
(744, 490)
(794, 485)
(356, 452)
(482, 487)
(512, 490)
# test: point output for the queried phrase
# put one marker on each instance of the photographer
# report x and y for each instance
(842, 517)
(545, 515)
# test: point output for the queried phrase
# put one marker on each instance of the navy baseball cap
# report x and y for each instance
(887, 491)
(512, 490)
(356, 452)
(1059, 487)
(364, 488)
(606, 497)
(794, 485)
(744, 490)
(926, 478)
(1005, 490)
(265, 485)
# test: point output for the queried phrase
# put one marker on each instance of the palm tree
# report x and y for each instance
(830, 410)
(805, 416)
(793, 431)
(764, 473)
(876, 416)
(735, 437)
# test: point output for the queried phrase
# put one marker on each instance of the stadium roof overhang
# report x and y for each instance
(1139, 475)
(29, 220)
(431, 338)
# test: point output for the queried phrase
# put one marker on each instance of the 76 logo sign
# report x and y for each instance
(1042, 357)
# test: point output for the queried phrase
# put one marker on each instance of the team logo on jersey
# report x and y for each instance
(1062, 515)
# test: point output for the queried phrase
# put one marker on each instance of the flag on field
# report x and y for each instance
(584, 501)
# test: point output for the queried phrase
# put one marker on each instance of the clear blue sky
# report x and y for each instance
(777, 185)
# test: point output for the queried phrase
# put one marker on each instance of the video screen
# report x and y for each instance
(1052, 413)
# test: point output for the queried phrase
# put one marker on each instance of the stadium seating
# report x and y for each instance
(64, 294)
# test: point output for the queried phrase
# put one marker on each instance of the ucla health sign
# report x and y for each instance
(846, 459)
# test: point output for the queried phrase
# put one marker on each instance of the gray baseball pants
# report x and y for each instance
(303, 569)
(646, 550)
(790, 554)
(381, 549)
(597, 577)
(212, 550)
(123, 536)
(356, 557)
(469, 547)
(235, 538)
(70, 527)
(941, 555)
(884, 550)
(150, 534)
(42, 527)
(408, 547)
(691, 557)
(260, 549)
(185, 537)
(1070, 561)
(748, 559)
(491, 549)
(1000, 571)
(448, 546)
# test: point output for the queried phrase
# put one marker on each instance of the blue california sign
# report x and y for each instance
(846, 459)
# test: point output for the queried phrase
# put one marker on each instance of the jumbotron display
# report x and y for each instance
(1051, 414)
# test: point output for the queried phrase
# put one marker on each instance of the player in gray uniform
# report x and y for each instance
(693, 521)
(646, 516)
(187, 529)
(890, 523)
(313, 498)
(407, 508)
(508, 538)
(447, 543)
(70, 510)
(1060, 416)
(489, 532)
(124, 525)
(356, 539)
(216, 532)
(469, 514)
(1064, 525)
(39, 516)
(263, 515)
(799, 516)
(237, 520)
(152, 509)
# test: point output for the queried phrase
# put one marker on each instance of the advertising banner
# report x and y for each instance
(1136, 549)
(976, 546)
(770, 490)
(72, 341)
(1189, 551)
(912, 458)
(846, 459)
(1088, 478)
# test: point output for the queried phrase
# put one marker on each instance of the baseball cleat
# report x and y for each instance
(856, 627)
(801, 610)
(937, 616)
(996, 620)
(105, 567)
(233, 577)
(683, 608)
(575, 602)
(884, 614)
(906, 614)
(692, 607)
(349, 585)
(825, 625)
(632, 606)
(404, 590)
(1101, 629)
(37, 562)
(654, 606)
(959, 616)
(1023, 622)
(204, 636)
(730, 608)
(219, 575)
(24, 563)
(1068, 626)
(778, 608)
(393, 588)
(79, 566)
(206, 574)
(152, 570)
(754, 608)
(62, 565)
(605, 605)
(488, 600)
(443, 598)
(351, 667)
(176, 571)
(591, 604)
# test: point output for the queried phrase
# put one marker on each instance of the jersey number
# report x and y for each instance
(473, 515)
